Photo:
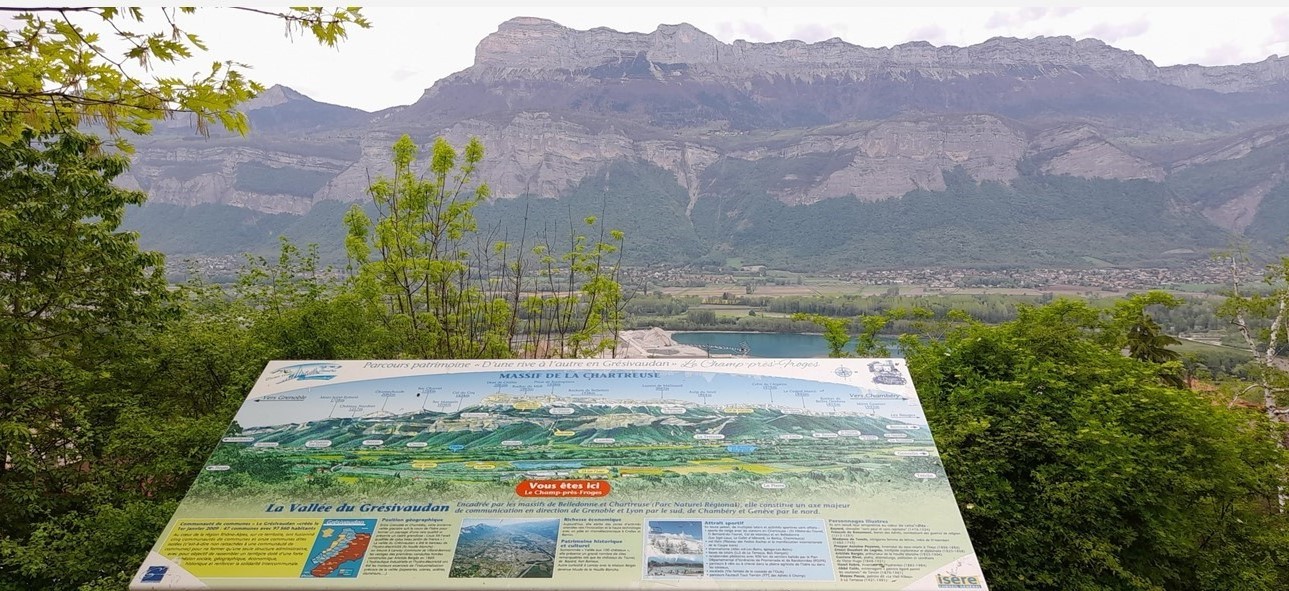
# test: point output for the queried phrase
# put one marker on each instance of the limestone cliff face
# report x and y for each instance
(1236, 209)
(529, 46)
(1079, 150)
(1236, 214)
(540, 154)
(536, 154)
(895, 157)
(544, 155)
(210, 174)
(555, 105)
(350, 184)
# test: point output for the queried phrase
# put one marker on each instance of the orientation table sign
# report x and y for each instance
(719, 473)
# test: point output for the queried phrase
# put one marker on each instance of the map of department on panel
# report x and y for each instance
(339, 549)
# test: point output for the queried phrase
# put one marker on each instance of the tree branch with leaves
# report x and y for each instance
(56, 75)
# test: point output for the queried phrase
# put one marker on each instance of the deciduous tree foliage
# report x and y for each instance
(161, 395)
(73, 289)
(1134, 330)
(78, 297)
(56, 75)
(1076, 469)
(452, 291)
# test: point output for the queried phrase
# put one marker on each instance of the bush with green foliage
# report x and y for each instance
(1076, 469)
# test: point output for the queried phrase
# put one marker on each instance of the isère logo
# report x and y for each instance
(958, 582)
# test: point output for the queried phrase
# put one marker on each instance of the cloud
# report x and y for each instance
(755, 32)
(1003, 19)
(723, 30)
(402, 74)
(1111, 32)
(932, 33)
(815, 32)
(1280, 27)
(1278, 42)
(1223, 55)
(998, 20)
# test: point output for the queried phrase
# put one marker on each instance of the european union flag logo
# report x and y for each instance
(154, 574)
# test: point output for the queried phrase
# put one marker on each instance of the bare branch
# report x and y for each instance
(21, 9)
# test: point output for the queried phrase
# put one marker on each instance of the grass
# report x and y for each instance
(715, 290)
(1197, 347)
(1198, 287)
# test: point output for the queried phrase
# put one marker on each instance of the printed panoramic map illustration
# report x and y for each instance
(488, 430)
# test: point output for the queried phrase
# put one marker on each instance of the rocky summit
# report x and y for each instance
(1012, 151)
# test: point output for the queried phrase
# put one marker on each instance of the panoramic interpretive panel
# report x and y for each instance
(720, 473)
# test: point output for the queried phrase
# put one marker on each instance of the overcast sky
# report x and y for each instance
(407, 49)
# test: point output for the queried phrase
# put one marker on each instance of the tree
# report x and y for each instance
(450, 292)
(578, 307)
(836, 331)
(110, 395)
(1194, 368)
(1146, 342)
(1143, 338)
(1076, 469)
(922, 323)
(72, 289)
(55, 75)
(298, 310)
(85, 551)
(701, 318)
(151, 398)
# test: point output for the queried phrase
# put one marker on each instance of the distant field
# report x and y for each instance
(1189, 346)
(723, 310)
(716, 289)
(1198, 287)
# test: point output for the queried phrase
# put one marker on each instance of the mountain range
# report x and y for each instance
(821, 155)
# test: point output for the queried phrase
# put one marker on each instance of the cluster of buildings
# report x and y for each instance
(225, 268)
(1109, 279)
